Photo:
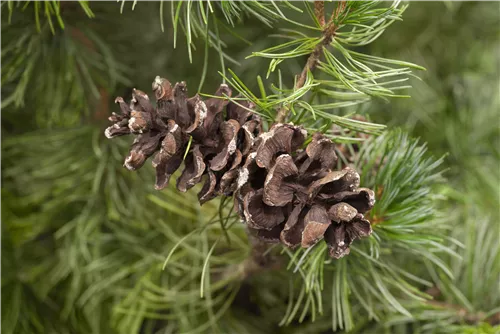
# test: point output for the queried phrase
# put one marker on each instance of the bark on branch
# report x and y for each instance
(328, 34)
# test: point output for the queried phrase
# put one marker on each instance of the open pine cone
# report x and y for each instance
(219, 141)
(293, 196)
(282, 192)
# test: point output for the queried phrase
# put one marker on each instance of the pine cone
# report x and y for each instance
(219, 141)
(283, 193)
(294, 197)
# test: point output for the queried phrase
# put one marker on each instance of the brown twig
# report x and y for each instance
(319, 12)
(258, 261)
(329, 30)
(259, 258)
(101, 105)
(471, 318)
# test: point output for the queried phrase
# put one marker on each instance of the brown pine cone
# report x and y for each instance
(219, 141)
(294, 197)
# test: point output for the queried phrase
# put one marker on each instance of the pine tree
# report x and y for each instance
(91, 247)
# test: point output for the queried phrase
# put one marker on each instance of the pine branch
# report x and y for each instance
(327, 37)
(352, 79)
